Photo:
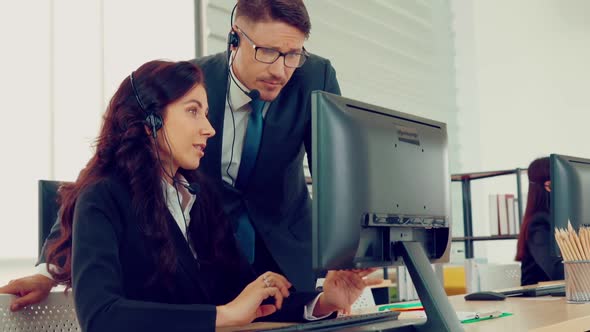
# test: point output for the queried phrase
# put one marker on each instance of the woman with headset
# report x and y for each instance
(144, 242)
(533, 249)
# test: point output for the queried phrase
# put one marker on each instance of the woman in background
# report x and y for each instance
(538, 263)
(144, 242)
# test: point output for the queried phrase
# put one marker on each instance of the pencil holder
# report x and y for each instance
(577, 281)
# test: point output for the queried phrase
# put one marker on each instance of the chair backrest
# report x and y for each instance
(56, 313)
(499, 276)
(48, 208)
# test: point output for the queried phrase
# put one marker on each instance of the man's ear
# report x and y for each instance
(548, 185)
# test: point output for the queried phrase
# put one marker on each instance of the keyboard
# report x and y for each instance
(340, 322)
(544, 290)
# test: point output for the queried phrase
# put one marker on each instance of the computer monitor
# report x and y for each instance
(379, 176)
(570, 193)
(381, 195)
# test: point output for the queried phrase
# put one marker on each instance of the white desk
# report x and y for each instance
(540, 314)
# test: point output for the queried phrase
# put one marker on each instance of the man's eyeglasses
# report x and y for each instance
(270, 55)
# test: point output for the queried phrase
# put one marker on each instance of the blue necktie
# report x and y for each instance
(251, 143)
(244, 231)
(245, 236)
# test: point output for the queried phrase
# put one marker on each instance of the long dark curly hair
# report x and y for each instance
(125, 149)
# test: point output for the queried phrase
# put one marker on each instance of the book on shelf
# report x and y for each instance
(503, 213)
(494, 224)
(512, 224)
(516, 216)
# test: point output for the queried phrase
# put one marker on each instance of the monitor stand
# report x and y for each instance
(440, 314)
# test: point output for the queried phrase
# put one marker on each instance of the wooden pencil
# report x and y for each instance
(575, 250)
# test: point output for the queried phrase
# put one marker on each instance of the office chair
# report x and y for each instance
(55, 313)
(48, 208)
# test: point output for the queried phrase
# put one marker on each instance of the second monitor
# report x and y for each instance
(570, 193)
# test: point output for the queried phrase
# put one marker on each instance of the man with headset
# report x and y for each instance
(259, 94)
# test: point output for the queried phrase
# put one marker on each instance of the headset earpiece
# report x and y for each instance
(154, 121)
(233, 40)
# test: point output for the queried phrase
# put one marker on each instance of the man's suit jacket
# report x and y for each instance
(276, 196)
(112, 265)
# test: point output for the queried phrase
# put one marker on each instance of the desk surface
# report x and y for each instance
(538, 314)
(545, 313)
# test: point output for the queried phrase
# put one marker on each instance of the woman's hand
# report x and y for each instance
(248, 305)
(342, 289)
(29, 290)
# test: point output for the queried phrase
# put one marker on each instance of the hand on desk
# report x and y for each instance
(29, 290)
(342, 289)
(248, 305)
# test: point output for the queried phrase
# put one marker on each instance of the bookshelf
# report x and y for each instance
(465, 179)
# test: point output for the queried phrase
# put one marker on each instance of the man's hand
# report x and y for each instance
(29, 290)
(342, 289)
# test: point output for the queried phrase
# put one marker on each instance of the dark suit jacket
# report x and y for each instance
(276, 197)
(112, 265)
(538, 263)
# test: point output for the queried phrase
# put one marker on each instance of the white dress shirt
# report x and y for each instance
(187, 200)
(239, 103)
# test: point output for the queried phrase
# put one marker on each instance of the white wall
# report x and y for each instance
(395, 54)
(528, 79)
(76, 83)
(137, 31)
(533, 79)
(25, 138)
(61, 61)
(522, 79)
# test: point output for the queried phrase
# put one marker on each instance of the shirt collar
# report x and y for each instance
(237, 97)
(170, 193)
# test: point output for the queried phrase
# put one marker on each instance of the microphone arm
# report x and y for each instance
(253, 94)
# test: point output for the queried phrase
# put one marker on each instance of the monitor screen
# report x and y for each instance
(570, 193)
(379, 176)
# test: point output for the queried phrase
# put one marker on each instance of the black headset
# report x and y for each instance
(152, 119)
(232, 38)
(154, 122)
